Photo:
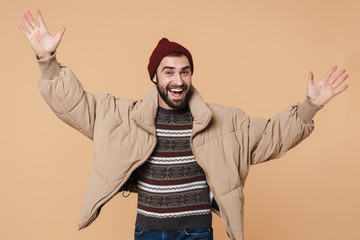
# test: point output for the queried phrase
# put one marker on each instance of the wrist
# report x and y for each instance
(307, 110)
(314, 101)
(44, 55)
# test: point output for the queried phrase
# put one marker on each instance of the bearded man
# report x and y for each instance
(184, 157)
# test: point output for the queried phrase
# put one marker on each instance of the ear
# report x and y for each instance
(154, 79)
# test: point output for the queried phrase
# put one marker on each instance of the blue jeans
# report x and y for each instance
(188, 234)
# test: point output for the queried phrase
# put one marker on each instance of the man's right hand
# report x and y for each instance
(39, 37)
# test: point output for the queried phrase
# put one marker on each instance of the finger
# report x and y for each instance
(333, 79)
(22, 29)
(340, 81)
(40, 18)
(340, 90)
(60, 34)
(311, 78)
(329, 73)
(27, 24)
(31, 19)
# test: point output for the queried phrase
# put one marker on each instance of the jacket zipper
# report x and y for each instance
(221, 210)
(219, 204)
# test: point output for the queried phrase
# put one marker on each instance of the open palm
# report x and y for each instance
(328, 87)
(38, 35)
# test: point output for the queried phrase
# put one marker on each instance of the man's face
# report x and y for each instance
(173, 80)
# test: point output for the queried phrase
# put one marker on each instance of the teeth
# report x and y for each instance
(176, 90)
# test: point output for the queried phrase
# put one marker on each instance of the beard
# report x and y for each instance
(163, 92)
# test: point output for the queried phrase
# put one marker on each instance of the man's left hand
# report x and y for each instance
(328, 87)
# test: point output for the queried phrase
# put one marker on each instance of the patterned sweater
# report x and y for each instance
(172, 189)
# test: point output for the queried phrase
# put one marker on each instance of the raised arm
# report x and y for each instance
(272, 138)
(41, 41)
(57, 83)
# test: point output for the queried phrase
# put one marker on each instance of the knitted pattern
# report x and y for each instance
(172, 189)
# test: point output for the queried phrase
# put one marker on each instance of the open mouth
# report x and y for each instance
(176, 92)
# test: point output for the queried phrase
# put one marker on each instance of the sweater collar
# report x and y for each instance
(145, 114)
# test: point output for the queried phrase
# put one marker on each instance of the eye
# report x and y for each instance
(168, 73)
(184, 72)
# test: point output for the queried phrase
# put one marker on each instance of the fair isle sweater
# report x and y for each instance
(172, 189)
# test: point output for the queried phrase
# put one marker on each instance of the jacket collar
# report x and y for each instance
(145, 114)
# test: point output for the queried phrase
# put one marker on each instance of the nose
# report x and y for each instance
(178, 79)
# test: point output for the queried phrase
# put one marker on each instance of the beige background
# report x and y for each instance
(249, 54)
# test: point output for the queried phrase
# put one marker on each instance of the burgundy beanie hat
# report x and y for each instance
(163, 48)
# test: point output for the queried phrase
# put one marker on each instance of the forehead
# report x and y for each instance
(175, 61)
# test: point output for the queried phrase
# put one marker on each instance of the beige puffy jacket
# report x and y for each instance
(225, 141)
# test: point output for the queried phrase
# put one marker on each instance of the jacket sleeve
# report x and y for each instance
(66, 96)
(272, 138)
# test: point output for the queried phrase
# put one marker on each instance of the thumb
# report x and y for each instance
(60, 34)
(311, 78)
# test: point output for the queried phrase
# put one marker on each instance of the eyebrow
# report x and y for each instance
(184, 68)
(172, 68)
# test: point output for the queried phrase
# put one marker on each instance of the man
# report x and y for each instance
(184, 157)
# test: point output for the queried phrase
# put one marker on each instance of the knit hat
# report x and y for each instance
(163, 48)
